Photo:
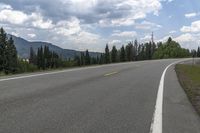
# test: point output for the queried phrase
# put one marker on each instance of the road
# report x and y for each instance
(115, 98)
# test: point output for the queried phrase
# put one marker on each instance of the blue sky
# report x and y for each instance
(90, 24)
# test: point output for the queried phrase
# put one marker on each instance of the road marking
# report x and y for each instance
(156, 124)
(109, 74)
(47, 73)
(69, 70)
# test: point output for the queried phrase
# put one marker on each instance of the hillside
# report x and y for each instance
(23, 48)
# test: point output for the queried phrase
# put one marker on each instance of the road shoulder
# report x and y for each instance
(179, 116)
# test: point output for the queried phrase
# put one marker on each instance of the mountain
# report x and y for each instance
(23, 48)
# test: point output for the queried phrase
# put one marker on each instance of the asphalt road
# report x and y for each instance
(115, 98)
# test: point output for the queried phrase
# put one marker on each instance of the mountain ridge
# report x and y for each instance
(23, 48)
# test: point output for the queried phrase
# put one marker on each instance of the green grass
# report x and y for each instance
(2, 74)
(189, 78)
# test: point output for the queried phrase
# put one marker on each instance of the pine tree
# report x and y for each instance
(102, 59)
(107, 54)
(32, 57)
(169, 41)
(77, 60)
(129, 52)
(82, 58)
(11, 57)
(198, 52)
(135, 50)
(47, 57)
(40, 58)
(98, 60)
(114, 54)
(122, 54)
(87, 58)
(3, 43)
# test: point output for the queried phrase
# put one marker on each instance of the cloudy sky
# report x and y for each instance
(90, 24)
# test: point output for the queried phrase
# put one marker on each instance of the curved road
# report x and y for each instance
(115, 98)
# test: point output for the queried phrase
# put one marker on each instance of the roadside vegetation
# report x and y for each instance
(189, 78)
(45, 59)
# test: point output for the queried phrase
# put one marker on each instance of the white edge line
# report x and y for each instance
(47, 73)
(69, 70)
(156, 124)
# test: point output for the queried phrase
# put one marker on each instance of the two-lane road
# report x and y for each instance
(115, 98)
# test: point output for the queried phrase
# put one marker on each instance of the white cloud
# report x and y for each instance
(146, 38)
(116, 22)
(8, 15)
(194, 27)
(163, 39)
(31, 35)
(172, 32)
(67, 28)
(167, 0)
(87, 37)
(146, 25)
(115, 42)
(185, 38)
(77, 35)
(4, 6)
(51, 21)
(39, 22)
(129, 11)
(12, 16)
(14, 33)
(82, 5)
(125, 34)
(191, 15)
(189, 40)
(170, 0)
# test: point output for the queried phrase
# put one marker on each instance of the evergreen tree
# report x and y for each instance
(47, 57)
(102, 59)
(3, 43)
(129, 52)
(135, 50)
(77, 60)
(11, 57)
(114, 54)
(87, 58)
(198, 52)
(193, 53)
(107, 54)
(98, 60)
(148, 51)
(32, 57)
(40, 58)
(122, 54)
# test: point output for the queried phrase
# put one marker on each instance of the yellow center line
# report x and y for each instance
(108, 74)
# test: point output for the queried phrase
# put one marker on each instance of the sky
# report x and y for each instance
(91, 24)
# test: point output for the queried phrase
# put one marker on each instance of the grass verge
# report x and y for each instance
(189, 78)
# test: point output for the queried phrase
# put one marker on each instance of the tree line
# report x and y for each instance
(135, 51)
(44, 58)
